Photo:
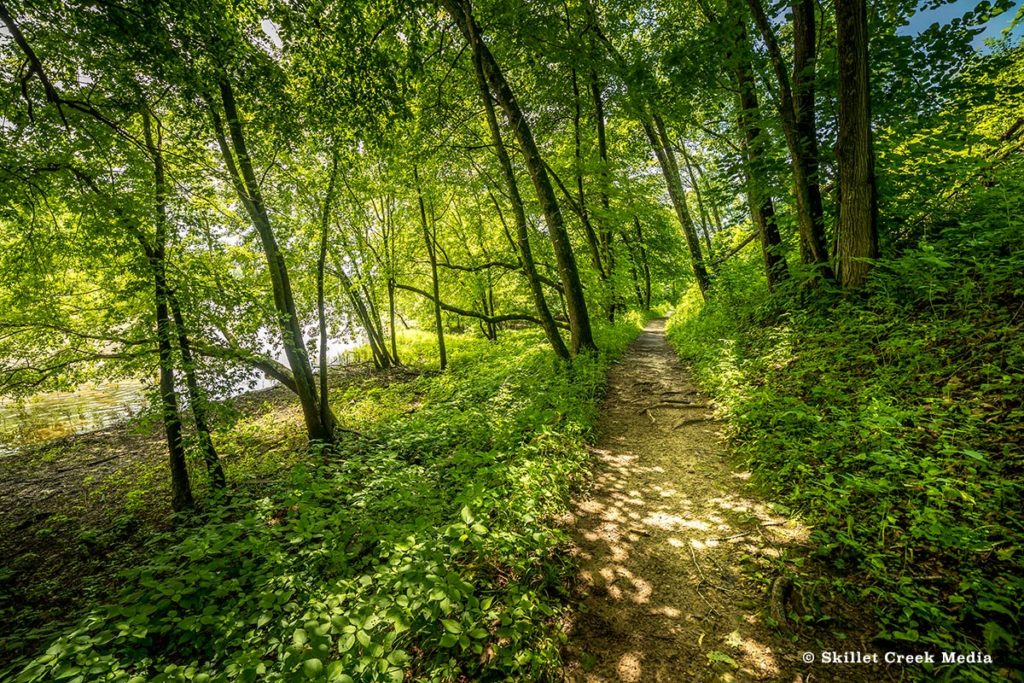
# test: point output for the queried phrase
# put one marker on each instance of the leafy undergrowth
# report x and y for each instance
(422, 547)
(891, 420)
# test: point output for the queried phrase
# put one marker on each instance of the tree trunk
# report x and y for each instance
(378, 346)
(392, 312)
(644, 263)
(581, 198)
(654, 127)
(519, 214)
(181, 488)
(762, 209)
(429, 236)
(579, 319)
(602, 152)
(804, 65)
(321, 305)
(197, 399)
(704, 223)
(606, 233)
(803, 150)
(857, 222)
(246, 186)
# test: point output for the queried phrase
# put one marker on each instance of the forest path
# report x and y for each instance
(670, 545)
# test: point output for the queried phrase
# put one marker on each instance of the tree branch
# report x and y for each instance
(472, 314)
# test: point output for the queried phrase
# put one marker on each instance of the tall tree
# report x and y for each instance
(522, 241)
(759, 199)
(461, 12)
(321, 302)
(857, 220)
(796, 113)
(243, 178)
(657, 135)
(430, 240)
(181, 489)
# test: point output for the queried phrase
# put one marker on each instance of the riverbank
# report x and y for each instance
(79, 508)
(448, 497)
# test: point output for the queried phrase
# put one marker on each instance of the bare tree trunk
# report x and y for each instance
(246, 186)
(857, 223)
(197, 399)
(704, 223)
(804, 65)
(606, 233)
(645, 264)
(802, 151)
(392, 312)
(378, 347)
(181, 488)
(762, 209)
(581, 198)
(602, 151)
(321, 305)
(579, 319)
(430, 238)
(654, 127)
(519, 215)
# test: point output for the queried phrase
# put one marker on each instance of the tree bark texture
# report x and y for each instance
(802, 150)
(857, 223)
(181, 488)
(654, 127)
(247, 187)
(762, 209)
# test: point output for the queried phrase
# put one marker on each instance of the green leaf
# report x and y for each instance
(312, 667)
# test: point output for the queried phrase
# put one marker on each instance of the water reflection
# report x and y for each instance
(56, 414)
(97, 405)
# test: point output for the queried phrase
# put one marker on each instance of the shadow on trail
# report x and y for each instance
(677, 562)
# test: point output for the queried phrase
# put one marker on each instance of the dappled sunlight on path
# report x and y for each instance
(676, 562)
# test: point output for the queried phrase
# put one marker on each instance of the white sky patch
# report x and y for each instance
(270, 31)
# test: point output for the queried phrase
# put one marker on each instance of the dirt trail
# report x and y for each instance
(670, 546)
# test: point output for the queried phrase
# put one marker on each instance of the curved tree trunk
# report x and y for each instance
(519, 214)
(246, 186)
(705, 224)
(654, 127)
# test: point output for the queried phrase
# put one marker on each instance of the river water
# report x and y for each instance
(95, 405)
(54, 414)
